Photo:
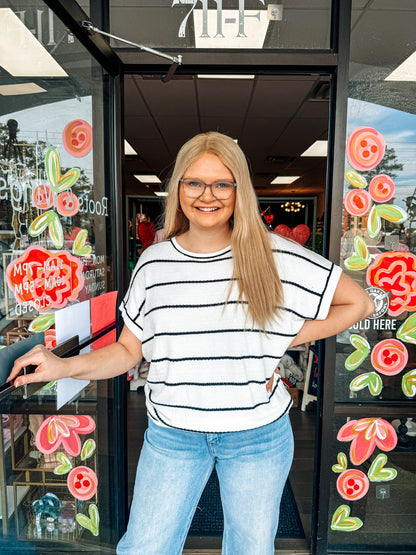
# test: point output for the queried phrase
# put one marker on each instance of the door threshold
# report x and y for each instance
(209, 545)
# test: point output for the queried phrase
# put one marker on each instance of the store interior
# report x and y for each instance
(281, 124)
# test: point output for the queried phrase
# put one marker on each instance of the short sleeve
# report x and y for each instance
(328, 292)
(132, 306)
(309, 280)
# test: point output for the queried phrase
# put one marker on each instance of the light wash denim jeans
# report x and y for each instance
(175, 465)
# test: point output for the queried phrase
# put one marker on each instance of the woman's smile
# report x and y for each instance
(207, 212)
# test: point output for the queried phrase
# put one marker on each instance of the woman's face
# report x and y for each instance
(207, 212)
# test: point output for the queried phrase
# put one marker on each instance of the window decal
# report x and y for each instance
(77, 138)
(43, 279)
(365, 148)
(365, 435)
(395, 272)
(63, 430)
(342, 520)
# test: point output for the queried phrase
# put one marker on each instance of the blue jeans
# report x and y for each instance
(174, 466)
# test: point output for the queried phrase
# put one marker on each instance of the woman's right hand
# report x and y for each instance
(49, 367)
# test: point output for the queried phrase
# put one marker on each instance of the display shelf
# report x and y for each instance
(16, 435)
(28, 463)
(21, 492)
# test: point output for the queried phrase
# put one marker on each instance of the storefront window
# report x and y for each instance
(223, 24)
(373, 483)
(54, 200)
(56, 280)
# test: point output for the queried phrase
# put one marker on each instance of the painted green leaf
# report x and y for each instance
(355, 179)
(371, 380)
(392, 213)
(360, 354)
(53, 170)
(361, 248)
(342, 463)
(355, 359)
(373, 223)
(377, 472)
(91, 523)
(53, 167)
(65, 465)
(42, 323)
(56, 232)
(409, 383)
(407, 331)
(342, 521)
(359, 342)
(94, 515)
(356, 263)
(87, 449)
(80, 248)
(40, 223)
(68, 180)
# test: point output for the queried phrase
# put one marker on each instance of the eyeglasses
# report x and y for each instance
(195, 188)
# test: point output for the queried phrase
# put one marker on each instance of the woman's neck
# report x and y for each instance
(205, 241)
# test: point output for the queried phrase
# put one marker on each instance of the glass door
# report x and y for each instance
(59, 483)
(369, 425)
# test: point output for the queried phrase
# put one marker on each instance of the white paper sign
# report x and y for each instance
(69, 321)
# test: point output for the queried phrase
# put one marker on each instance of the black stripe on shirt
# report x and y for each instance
(225, 357)
(219, 409)
(208, 256)
(209, 305)
(187, 282)
(209, 384)
(160, 419)
(140, 309)
(202, 332)
(295, 313)
(130, 318)
(326, 285)
(287, 282)
(169, 261)
(290, 253)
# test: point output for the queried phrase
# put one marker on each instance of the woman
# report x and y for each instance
(214, 307)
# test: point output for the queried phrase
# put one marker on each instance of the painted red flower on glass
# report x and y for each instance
(352, 484)
(365, 435)
(50, 339)
(82, 482)
(63, 430)
(45, 279)
(395, 272)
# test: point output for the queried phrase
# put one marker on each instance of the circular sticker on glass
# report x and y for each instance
(381, 301)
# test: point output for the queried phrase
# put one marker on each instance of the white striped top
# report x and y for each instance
(208, 366)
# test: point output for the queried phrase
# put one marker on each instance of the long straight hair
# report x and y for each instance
(254, 265)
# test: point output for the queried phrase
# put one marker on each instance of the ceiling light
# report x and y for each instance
(318, 148)
(292, 206)
(213, 76)
(20, 88)
(129, 150)
(161, 193)
(255, 28)
(406, 71)
(148, 178)
(284, 179)
(21, 54)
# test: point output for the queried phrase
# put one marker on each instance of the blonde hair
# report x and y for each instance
(254, 265)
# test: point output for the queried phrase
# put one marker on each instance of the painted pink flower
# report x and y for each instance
(82, 482)
(63, 430)
(366, 434)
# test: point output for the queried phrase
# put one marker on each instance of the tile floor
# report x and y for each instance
(301, 475)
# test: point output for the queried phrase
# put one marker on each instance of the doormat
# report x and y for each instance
(209, 520)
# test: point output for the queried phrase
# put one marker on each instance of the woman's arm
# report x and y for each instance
(107, 362)
(350, 304)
